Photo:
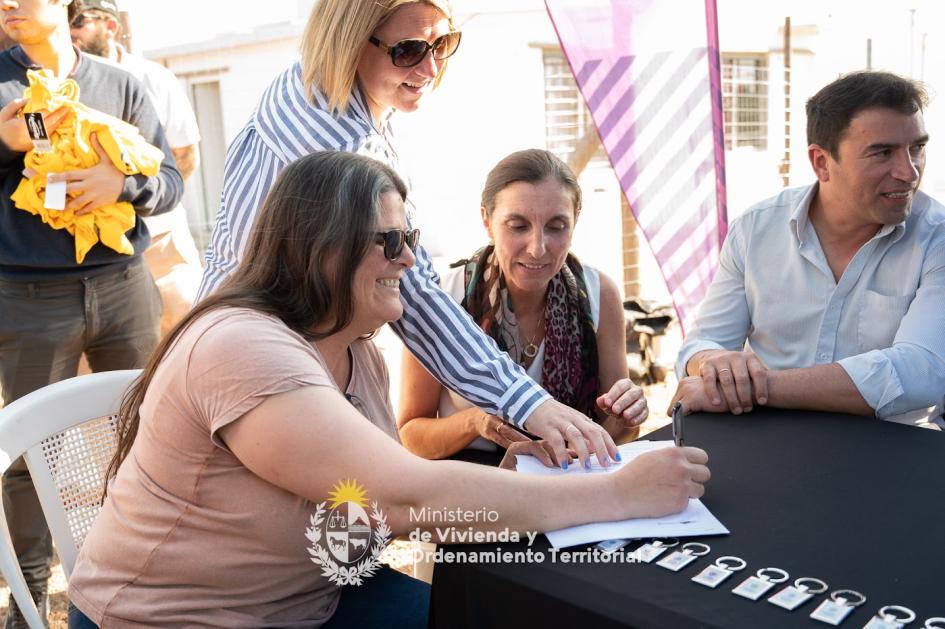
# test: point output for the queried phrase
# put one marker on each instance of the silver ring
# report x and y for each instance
(841, 596)
(667, 542)
(721, 371)
(780, 576)
(907, 614)
(696, 549)
(731, 563)
(938, 622)
(822, 587)
(573, 427)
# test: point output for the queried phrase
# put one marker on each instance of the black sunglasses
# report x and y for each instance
(83, 18)
(394, 242)
(410, 52)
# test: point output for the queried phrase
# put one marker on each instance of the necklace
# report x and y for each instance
(530, 350)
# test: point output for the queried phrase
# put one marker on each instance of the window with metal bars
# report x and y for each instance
(745, 100)
(566, 115)
(567, 121)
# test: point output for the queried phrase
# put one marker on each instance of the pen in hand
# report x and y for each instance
(678, 424)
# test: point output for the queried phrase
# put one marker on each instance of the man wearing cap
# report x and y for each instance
(52, 308)
(172, 257)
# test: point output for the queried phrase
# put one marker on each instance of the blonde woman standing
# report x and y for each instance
(362, 61)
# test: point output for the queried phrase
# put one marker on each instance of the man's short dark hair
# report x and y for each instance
(830, 110)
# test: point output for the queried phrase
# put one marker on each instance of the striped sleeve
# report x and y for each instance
(456, 351)
(434, 327)
(250, 170)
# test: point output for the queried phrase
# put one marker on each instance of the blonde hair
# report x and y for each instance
(335, 36)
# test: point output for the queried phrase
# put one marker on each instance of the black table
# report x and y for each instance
(858, 503)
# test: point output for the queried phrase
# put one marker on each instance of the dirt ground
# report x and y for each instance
(58, 603)
(398, 555)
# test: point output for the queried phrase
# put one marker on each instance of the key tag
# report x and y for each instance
(835, 609)
(612, 545)
(891, 617)
(793, 596)
(648, 552)
(755, 587)
(36, 127)
(686, 554)
(934, 623)
(723, 568)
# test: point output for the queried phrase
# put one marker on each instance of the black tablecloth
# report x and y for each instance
(858, 503)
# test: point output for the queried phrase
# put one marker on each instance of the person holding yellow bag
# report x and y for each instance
(78, 142)
(53, 308)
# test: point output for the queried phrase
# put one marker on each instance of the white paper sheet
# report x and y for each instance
(55, 198)
(695, 520)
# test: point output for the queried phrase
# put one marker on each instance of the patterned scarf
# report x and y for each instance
(570, 369)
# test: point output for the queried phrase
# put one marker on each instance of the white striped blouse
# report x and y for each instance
(285, 127)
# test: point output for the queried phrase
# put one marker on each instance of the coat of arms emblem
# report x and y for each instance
(353, 538)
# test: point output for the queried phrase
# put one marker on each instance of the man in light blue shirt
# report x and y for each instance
(832, 296)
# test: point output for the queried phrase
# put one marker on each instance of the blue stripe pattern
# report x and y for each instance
(285, 127)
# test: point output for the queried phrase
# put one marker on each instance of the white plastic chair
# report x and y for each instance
(67, 433)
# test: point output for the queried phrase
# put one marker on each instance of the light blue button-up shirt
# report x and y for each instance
(883, 322)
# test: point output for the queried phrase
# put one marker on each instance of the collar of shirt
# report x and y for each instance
(292, 125)
(19, 55)
(357, 108)
(358, 103)
(802, 229)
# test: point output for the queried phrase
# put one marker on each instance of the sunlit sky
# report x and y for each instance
(888, 23)
(906, 35)
(171, 22)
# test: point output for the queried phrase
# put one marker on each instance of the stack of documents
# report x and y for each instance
(695, 520)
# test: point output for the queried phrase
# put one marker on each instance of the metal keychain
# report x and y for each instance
(686, 554)
(835, 609)
(650, 551)
(891, 617)
(723, 568)
(757, 586)
(937, 622)
(612, 545)
(793, 596)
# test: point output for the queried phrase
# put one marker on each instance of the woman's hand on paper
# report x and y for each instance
(661, 482)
